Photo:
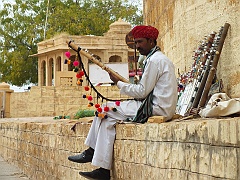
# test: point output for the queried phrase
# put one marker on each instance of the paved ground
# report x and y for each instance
(10, 172)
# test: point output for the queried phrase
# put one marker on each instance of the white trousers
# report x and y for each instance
(102, 133)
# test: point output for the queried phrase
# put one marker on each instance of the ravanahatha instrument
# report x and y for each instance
(94, 60)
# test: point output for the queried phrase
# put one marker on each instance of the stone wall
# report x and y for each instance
(56, 101)
(183, 23)
(206, 149)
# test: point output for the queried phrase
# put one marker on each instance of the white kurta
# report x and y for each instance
(159, 74)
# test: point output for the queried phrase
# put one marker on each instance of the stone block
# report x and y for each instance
(160, 160)
(217, 162)
(118, 170)
(140, 132)
(132, 171)
(167, 155)
(231, 163)
(192, 131)
(81, 129)
(128, 131)
(119, 131)
(118, 150)
(194, 157)
(187, 156)
(213, 131)
(152, 153)
(79, 145)
(175, 160)
(204, 159)
(179, 132)
(140, 152)
(165, 132)
(224, 131)
(233, 132)
(152, 131)
(202, 132)
(128, 151)
(182, 156)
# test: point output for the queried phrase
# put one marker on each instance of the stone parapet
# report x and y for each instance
(194, 149)
(57, 101)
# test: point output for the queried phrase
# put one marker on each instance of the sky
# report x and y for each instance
(20, 89)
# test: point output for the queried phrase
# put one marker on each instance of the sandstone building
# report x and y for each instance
(110, 48)
(183, 23)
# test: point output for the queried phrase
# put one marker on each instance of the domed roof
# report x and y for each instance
(120, 22)
(4, 85)
(119, 27)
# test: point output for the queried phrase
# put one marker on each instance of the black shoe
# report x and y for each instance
(85, 157)
(101, 174)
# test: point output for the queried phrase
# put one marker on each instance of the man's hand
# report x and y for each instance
(114, 78)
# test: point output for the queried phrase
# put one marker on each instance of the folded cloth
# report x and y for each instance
(221, 105)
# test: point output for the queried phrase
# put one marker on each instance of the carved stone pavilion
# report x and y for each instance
(110, 48)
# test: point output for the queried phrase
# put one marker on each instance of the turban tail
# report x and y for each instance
(144, 32)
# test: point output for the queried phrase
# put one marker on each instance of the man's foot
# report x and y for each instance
(100, 174)
(85, 157)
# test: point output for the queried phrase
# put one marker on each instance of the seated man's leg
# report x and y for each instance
(101, 138)
(87, 155)
(103, 150)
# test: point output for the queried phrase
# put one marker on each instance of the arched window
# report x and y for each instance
(50, 72)
(115, 58)
(58, 64)
(43, 73)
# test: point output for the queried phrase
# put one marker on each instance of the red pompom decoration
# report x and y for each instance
(90, 98)
(75, 63)
(81, 73)
(78, 75)
(97, 105)
(99, 109)
(67, 54)
(86, 88)
(106, 108)
(117, 103)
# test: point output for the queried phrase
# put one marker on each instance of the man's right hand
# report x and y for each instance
(114, 78)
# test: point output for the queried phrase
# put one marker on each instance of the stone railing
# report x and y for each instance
(194, 149)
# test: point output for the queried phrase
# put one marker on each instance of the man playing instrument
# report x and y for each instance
(155, 94)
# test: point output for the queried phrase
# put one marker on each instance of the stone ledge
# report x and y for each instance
(190, 149)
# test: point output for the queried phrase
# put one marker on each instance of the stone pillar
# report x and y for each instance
(5, 94)
(47, 71)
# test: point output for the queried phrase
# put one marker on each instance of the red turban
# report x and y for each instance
(144, 32)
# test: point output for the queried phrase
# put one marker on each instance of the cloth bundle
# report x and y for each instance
(221, 105)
